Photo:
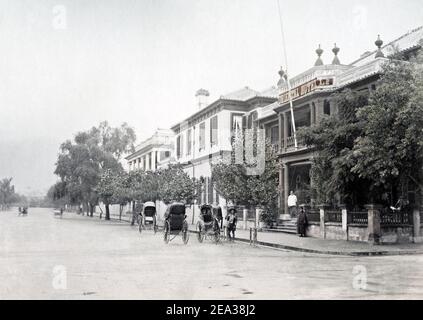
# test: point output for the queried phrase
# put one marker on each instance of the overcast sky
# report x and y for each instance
(67, 65)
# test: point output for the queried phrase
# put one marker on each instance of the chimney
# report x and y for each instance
(202, 97)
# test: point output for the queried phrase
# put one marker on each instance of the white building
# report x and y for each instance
(206, 136)
(153, 152)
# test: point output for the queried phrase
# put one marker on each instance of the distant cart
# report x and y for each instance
(148, 217)
(58, 212)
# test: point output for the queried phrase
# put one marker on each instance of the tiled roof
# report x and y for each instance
(243, 94)
(403, 43)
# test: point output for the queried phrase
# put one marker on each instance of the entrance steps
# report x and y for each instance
(286, 226)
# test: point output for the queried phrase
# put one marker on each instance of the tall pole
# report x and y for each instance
(294, 130)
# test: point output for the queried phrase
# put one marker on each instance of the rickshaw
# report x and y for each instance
(208, 224)
(23, 211)
(148, 217)
(217, 212)
(175, 223)
(58, 212)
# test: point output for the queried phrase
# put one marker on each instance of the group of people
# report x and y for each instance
(230, 218)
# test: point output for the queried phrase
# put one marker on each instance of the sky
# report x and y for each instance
(65, 66)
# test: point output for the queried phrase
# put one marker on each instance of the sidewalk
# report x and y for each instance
(292, 242)
(322, 246)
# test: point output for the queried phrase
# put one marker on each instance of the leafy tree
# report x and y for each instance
(7, 193)
(175, 185)
(82, 162)
(333, 141)
(390, 152)
(231, 181)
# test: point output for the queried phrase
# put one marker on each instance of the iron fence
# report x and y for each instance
(313, 215)
(334, 216)
(392, 217)
(358, 217)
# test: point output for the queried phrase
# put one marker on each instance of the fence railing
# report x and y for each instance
(358, 217)
(313, 215)
(334, 216)
(391, 217)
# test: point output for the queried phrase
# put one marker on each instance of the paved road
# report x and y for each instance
(43, 257)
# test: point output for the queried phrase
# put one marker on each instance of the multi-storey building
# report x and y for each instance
(207, 135)
(153, 152)
(312, 96)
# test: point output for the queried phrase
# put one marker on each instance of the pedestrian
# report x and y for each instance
(232, 221)
(292, 204)
(302, 223)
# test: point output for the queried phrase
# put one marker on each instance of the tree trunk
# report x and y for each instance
(91, 210)
(120, 211)
(107, 217)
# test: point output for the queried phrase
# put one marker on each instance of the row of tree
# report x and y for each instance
(8, 195)
(372, 151)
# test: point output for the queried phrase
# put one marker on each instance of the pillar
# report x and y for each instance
(323, 208)
(285, 130)
(259, 212)
(286, 215)
(417, 237)
(153, 160)
(344, 222)
(281, 189)
(373, 225)
(244, 218)
(281, 135)
(312, 113)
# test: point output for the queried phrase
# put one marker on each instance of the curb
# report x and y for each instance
(272, 245)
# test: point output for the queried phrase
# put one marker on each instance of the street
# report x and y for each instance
(77, 257)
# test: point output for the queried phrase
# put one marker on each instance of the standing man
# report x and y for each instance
(232, 221)
(292, 204)
(302, 222)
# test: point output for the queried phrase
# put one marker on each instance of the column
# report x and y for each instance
(344, 222)
(281, 189)
(244, 218)
(373, 224)
(153, 160)
(312, 113)
(286, 215)
(281, 135)
(285, 130)
(417, 238)
(323, 208)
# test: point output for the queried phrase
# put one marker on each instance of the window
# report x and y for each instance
(326, 107)
(202, 137)
(189, 142)
(274, 135)
(178, 147)
(164, 155)
(213, 131)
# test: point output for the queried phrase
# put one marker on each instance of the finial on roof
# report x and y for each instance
(283, 77)
(319, 61)
(335, 51)
(379, 43)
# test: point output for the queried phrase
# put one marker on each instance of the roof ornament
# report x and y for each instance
(335, 51)
(379, 43)
(319, 61)
(283, 77)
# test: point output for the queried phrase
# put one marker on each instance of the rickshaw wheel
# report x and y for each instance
(166, 231)
(200, 235)
(185, 236)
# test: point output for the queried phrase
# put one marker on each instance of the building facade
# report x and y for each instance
(312, 97)
(207, 136)
(153, 152)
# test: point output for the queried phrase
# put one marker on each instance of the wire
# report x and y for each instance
(294, 130)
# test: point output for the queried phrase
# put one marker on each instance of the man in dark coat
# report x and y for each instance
(232, 221)
(302, 223)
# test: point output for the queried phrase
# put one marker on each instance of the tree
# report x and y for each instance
(7, 193)
(390, 152)
(175, 185)
(106, 189)
(231, 181)
(82, 162)
(332, 141)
